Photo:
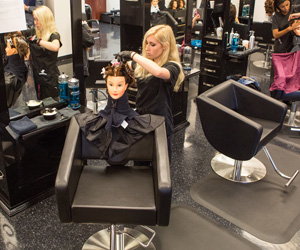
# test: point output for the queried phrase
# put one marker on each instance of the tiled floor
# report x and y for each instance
(38, 227)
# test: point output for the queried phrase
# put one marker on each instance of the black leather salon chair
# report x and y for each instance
(115, 195)
(93, 23)
(239, 121)
(95, 82)
(242, 29)
(264, 37)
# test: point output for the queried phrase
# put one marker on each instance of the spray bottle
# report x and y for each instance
(252, 39)
(231, 36)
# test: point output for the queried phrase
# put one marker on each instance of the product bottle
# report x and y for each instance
(179, 49)
(231, 36)
(73, 85)
(252, 39)
(225, 40)
(63, 87)
(187, 59)
(235, 42)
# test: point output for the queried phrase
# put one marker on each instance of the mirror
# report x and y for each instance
(171, 12)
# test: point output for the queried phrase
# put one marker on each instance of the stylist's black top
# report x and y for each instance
(154, 95)
(285, 43)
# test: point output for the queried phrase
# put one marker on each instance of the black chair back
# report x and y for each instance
(242, 29)
(263, 32)
(88, 12)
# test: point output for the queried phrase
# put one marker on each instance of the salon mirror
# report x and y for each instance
(173, 13)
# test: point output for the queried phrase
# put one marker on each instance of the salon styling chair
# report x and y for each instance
(114, 194)
(95, 82)
(242, 29)
(264, 37)
(93, 23)
(239, 121)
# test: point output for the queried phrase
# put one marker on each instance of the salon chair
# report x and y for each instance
(264, 37)
(239, 121)
(114, 194)
(93, 23)
(95, 82)
(242, 29)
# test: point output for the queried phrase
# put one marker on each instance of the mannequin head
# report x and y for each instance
(154, 2)
(295, 31)
(269, 7)
(173, 4)
(16, 45)
(117, 77)
(181, 4)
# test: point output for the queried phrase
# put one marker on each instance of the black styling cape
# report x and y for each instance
(116, 127)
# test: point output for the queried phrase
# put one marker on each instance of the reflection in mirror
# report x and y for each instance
(36, 78)
(15, 70)
(171, 12)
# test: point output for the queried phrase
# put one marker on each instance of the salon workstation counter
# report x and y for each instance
(29, 161)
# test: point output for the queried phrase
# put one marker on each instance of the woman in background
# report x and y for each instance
(44, 41)
(281, 28)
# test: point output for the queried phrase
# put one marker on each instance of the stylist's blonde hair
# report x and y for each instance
(165, 36)
(46, 18)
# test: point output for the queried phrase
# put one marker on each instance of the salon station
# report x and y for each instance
(232, 181)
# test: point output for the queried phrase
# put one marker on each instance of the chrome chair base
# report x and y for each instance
(101, 241)
(292, 117)
(251, 171)
(262, 64)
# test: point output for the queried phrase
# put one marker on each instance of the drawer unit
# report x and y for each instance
(211, 63)
(211, 70)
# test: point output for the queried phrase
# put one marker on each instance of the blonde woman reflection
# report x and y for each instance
(44, 41)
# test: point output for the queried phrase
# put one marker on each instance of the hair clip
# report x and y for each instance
(103, 72)
(115, 62)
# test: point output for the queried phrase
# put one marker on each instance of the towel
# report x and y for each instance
(286, 72)
(22, 126)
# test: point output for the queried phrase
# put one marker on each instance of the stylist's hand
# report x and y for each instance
(294, 15)
(123, 56)
(33, 39)
(295, 24)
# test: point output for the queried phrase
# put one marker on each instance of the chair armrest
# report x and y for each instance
(94, 29)
(69, 171)
(162, 180)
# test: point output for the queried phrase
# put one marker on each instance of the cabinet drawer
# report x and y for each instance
(210, 70)
(207, 82)
(212, 42)
(210, 59)
(213, 51)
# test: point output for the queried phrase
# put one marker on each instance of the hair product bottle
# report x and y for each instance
(252, 39)
(231, 36)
